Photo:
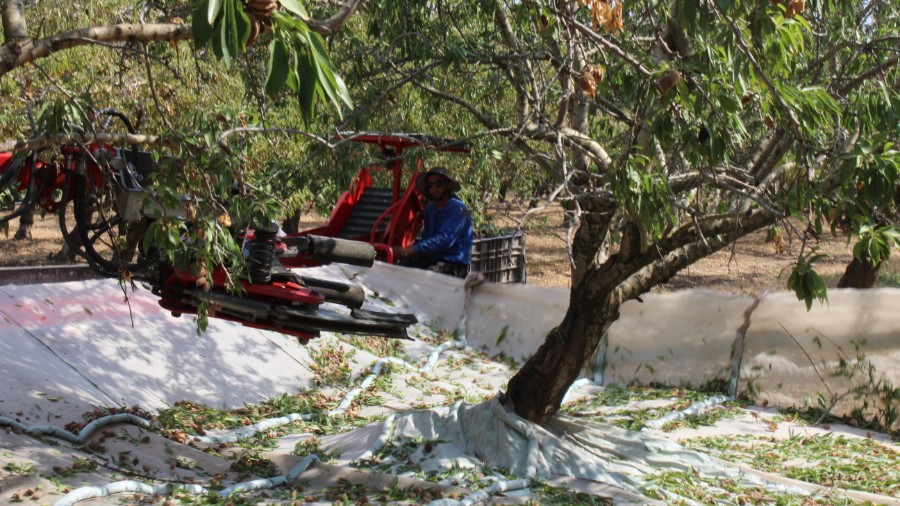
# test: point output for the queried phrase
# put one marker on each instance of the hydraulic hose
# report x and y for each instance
(348, 295)
(330, 249)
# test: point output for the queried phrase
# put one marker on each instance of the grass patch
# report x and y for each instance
(688, 487)
(196, 418)
(549, 495)
(811, 416)
(253, 464)
(310, 446)
(636, 418)
(889, 276)
(378, 346)
(829, 460)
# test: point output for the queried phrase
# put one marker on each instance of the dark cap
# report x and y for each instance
(420, 182)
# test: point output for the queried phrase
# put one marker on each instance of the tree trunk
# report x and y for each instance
(26, 222)
(66, 254)
(598, 290)
(291, 225)
(14, 26)
(859, 274)
(536, 391)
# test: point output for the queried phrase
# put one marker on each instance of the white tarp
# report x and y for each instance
(92, 348)
(69, 347)
(685, 338)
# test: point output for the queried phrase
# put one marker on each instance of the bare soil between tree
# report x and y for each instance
(749, 266)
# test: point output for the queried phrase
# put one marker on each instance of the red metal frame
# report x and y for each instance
(177, 289)
(54, 176)
(405, 211)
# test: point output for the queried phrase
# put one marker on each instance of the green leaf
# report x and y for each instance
(200, 28)
(321, 63)
(212, 11)
(805, 282)
(306, 77)
(343, 92)
(172, 236)
(242, 23)
(503, 334)
(293, 80)
(202, 317)
(296, 7)
(151, 237)
(232, 38)
(289, 23)
(885, 94)
(332, 84)
(217, 39)
(279, 66)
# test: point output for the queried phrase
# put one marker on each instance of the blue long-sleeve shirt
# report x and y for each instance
(447, 233)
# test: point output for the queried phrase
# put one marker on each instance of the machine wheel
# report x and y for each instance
(66, 217)
(110, 244)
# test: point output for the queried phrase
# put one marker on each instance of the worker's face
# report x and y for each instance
(438, 187)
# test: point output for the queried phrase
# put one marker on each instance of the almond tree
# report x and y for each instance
(672, 129)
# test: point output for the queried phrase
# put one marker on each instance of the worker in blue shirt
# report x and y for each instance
(446, 242)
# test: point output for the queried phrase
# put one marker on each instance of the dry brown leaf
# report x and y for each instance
(668, 81)
(224, 220)
(794, 7)
(588, 84)
(780, 244)
(591, 76)
(599, 72)
(606, 14)
(190, 212)
(615, 22)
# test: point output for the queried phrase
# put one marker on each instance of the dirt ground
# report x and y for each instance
(749, 267)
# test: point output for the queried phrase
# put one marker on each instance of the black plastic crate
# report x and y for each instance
(500, 258)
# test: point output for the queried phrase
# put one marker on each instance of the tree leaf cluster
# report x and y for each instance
(297, 59)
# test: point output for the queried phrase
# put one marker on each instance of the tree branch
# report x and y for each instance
(532, 130)
(523, 101)
(469, 106)
(652, 269)
(856, 81)
(44, 141)
(222, 141)
(762, 151)
(646, 74)
(594, 224)
(15, 55)
(573, 138)
(330, 25)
